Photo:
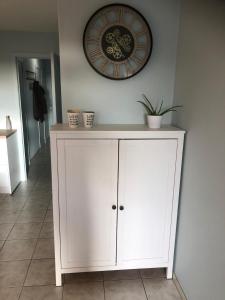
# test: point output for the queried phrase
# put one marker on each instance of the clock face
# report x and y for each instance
(117, 41)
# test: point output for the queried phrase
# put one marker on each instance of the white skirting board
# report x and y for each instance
(178, 286)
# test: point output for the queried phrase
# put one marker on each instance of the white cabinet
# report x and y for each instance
(9, 161)
(87, 192)
(115, 197)
(146, 180)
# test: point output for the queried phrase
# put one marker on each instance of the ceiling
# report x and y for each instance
(28, 15)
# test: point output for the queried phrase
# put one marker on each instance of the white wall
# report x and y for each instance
(115, 101)
(200, 86)
(17, 43)
(48, 91)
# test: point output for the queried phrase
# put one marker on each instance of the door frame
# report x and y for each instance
(16, 57)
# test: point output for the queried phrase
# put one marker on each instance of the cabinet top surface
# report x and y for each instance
(6, 133)
(64, 128)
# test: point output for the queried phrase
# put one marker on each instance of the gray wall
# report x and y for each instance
(115, 101)
(32, 65)
(200, 86)
(12, 44)
(42, 69)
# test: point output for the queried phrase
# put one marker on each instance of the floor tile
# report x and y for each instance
(2, 196)
(11, 293)
(161, 289)
(11, 204)
(124, 290)
(25, 231)
(25, 185)
(28, 216)
(20, 192)
(7, 211)
(41, 272)
(123, 274)
(5, 230)
(1, 244)
(44, 188)
(83, 277)
(44, 249)
(17, 250)
(47, 230)
(36, 205)
(84, 291)
(41, 293)
(13, 273)
(40, 194)
(153, 273)
(49, 216)
(8, 216)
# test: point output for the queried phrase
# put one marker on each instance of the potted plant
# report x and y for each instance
(154, 114)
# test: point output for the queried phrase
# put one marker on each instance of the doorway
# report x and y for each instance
(37, 79)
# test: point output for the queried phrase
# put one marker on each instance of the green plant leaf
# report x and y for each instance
(149, 112)
(149, 103)
(157, 111)
(160, 108)
(167, 111)
(172, 108)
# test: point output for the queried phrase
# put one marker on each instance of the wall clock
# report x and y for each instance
(117, 41)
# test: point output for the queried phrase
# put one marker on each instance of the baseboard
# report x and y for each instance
(5, 190)
(178, 286)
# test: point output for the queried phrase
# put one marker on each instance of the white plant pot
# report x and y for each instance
(154, 121)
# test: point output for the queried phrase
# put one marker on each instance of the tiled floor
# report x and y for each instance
(27, 253)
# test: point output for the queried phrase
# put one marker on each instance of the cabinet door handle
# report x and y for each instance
(114, 207)
(121, 207)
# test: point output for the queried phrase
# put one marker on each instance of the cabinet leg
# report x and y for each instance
(169, 273)
(58, 278)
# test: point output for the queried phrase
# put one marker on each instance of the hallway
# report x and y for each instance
(26, 234)
(27, 253)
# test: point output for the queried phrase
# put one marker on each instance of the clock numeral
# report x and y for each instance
(120, 14)
(103, 66)
(141, 46)
(137, 60)
(140, 33)
(92, 41)
(128, 70)
(95, 54)
(116, 70)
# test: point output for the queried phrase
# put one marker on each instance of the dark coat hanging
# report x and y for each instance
(39, 102)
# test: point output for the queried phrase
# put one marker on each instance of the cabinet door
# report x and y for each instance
(87, 171)
(146, 180)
